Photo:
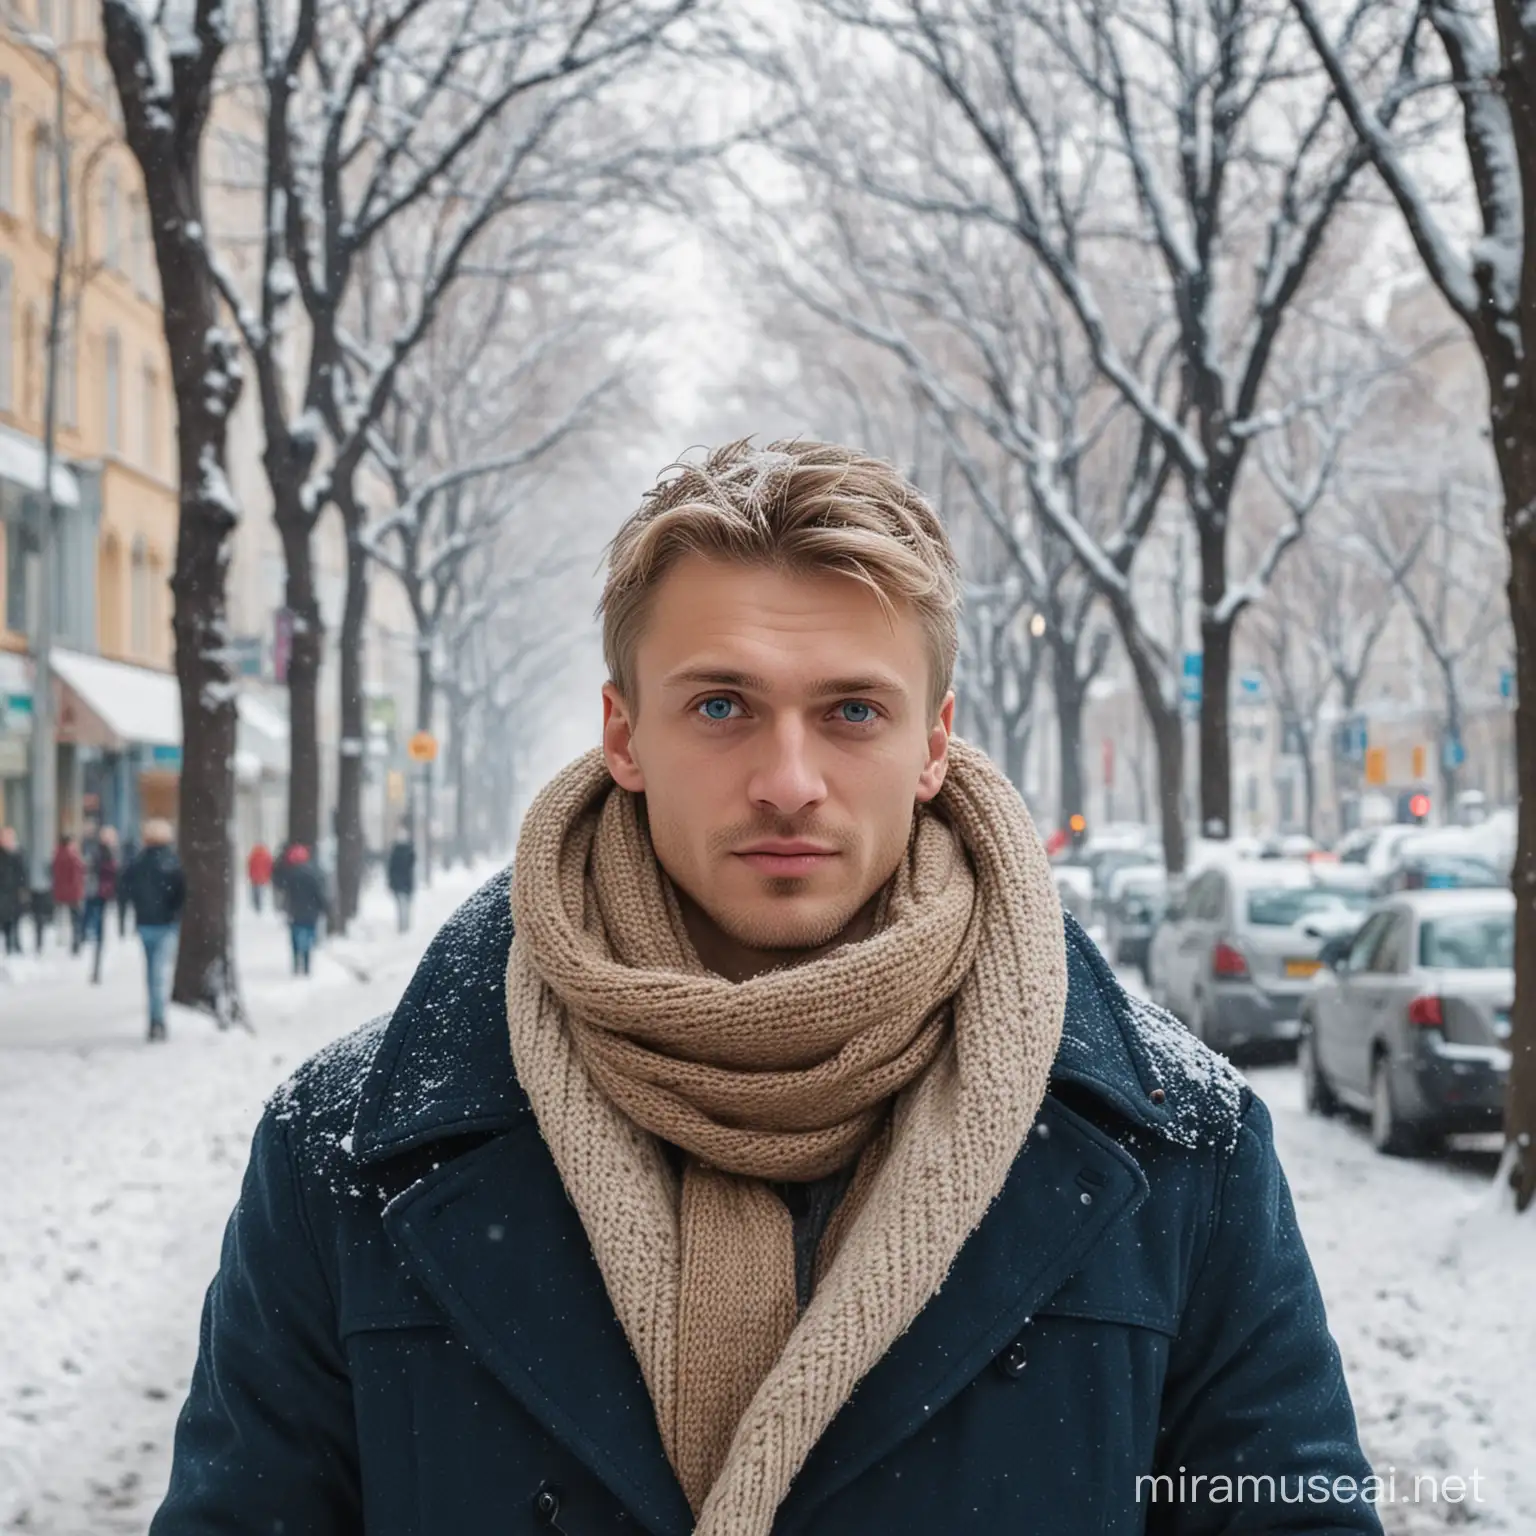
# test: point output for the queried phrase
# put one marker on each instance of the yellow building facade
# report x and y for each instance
(115, 414)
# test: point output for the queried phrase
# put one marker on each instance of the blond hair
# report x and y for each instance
(793, 506)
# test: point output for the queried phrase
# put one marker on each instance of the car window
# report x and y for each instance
(1364, 947)
(1281, 906)
(1391, 953)
(1205, 898)
(1469, 941)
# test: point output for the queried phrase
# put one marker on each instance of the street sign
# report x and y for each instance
(1452, 754)
(1193, 689)
(422, 747)
(1420, 757)
(1250, 685)
(1506, 682)
(1376, 765)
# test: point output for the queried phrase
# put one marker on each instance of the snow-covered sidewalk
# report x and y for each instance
(123, 1161)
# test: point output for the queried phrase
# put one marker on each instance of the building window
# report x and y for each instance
(6, 360)
(7, 150)
(142, 253)
(68, 397)
(111, 222)
(46, 22)
(149, 448)
(139, 598)
(45, 182)
(32, 362)
(112, 375)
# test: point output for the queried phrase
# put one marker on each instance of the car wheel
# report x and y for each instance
(1390, 1133)
(1316, 1091)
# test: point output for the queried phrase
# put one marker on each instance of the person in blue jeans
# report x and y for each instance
(157, 890)
(304, 896)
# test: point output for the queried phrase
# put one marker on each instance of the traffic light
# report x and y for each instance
(1079, 826)
(1418, 807)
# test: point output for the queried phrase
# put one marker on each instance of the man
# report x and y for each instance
(304, 896)
(157, 890)
(796, 1167)
(13, 890)
(258, 869)
(69, 888)
(100, 891)
(401, 874)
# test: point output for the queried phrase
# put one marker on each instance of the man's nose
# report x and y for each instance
(787, 778)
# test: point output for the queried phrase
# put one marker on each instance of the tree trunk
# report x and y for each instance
(350, 841)
(205, 374)
(1215, 692)
(1068, 690)
(307, 645)
(1308, 784)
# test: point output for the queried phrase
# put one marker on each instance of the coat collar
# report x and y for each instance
(444, 1064)
(544, 1325)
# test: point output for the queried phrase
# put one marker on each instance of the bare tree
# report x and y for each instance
(164, 70)
(1488, 54)
(1217, 166)
(1445, 564)
(428, 125)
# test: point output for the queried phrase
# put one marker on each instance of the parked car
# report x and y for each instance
(1074, 885)
(1235, 960)
(1132, 910)
(1409, 1023)
(1432, 869)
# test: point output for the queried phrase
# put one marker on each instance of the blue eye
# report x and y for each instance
(859, 719)
(717, 708)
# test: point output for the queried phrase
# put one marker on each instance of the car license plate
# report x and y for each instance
(1303, 967)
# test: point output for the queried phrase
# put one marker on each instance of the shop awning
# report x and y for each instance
(21, 462)
(114, 705)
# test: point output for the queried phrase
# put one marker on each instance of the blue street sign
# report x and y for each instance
(1453, 754)
(165, 757)
(1506, 682)
(1193, 690)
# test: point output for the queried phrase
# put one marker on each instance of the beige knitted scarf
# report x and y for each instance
(922, 1051)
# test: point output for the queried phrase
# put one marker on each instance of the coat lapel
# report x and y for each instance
(493, 1238)
(1036, 1235)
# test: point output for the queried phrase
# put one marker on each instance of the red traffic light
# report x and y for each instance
(1419, 806)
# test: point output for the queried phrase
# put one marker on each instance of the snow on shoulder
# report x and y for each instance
(1204, 1090)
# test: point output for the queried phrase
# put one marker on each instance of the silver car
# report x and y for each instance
(1410, 1022)
(1236, 960)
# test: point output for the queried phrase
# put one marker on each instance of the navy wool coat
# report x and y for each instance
(408, 1334)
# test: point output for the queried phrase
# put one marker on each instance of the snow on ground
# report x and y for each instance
(123, 1162)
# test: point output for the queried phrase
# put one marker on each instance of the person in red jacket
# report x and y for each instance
(69, 888)
(258, 870)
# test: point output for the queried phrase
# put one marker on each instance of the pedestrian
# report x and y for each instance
(13, 890)
(156, 889)
(101, 876)
(258, 870)
(69, 888)
(401, 873)
(130, 850)
(800, 1166)
(304, 894)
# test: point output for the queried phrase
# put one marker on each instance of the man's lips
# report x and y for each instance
(790, 857)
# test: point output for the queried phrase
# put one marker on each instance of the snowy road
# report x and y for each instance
(123, 1163)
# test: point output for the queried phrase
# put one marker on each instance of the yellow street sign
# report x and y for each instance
(1376, 765)
(1419, 758)
(422, 747)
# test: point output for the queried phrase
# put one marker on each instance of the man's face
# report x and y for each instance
(8, 839)
(782, 742)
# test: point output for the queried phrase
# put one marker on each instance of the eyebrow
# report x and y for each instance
(752, 682)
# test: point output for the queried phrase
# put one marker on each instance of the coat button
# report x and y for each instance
(1012, 1361)
(546, 1503)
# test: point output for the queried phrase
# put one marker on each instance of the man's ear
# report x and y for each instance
(618, 741)
(931, 780)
